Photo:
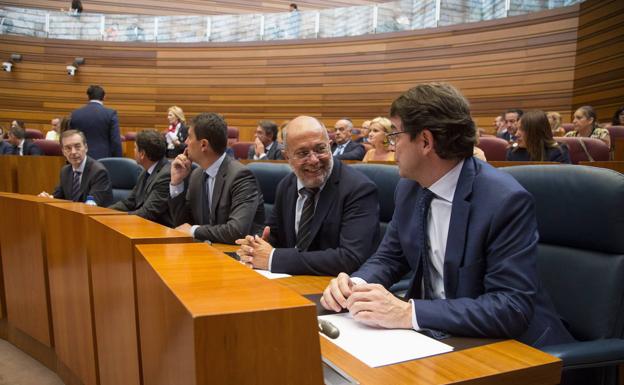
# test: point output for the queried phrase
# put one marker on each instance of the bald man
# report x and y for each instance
(326, 214)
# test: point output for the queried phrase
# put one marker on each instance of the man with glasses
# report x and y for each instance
(467, 231)
(83, 176)
(326, 214)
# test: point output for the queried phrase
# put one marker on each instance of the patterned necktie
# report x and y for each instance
(75, 194)
(206, 200)
(422, 208)
(304, 236)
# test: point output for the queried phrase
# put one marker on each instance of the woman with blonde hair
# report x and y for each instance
(554, 118)
(379, 128)
(176, 132)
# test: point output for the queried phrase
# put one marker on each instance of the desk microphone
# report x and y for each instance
(328, 329)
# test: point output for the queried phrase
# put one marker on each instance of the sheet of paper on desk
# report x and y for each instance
(270, 275)
(378, 347)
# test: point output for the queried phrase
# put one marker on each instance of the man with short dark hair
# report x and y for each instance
(83, 176)
(343, 148)
(512, 123)
(150, 196)
(265, 146)
(18, 144)
(99, 124)
(466, 229)
(326, 214)
(223, 201)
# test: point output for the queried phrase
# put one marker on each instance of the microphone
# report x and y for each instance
(328, 329)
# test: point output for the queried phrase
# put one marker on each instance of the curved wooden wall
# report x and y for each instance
(525, 61)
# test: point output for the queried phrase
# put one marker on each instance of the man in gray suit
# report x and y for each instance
(149, 197)
(223, 201)
(266, 146)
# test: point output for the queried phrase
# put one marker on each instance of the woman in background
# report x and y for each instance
(586, 125)
(379, 128)
(618, 117)
(176, 132)
(535, 141)
(554, 118)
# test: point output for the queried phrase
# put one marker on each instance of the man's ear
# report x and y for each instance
(204, 145)
(427, 139)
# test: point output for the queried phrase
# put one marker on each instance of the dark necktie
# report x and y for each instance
(75, 194)
(304, 237)
(206, 200)
(422, 208)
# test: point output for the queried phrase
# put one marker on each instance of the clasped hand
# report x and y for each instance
(254, 250)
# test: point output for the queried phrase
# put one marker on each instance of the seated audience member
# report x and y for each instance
(475, 261)
(326, 215)
(554, 119)
(364, 131)
(535, 141)
(150, 196)
(83, 176)
(379, 128)
(177, 132)
(5, 147)
(18, 144)
(266, 146)
(586, 125)
(65, 124)
(55, 132)
(618, 117)
(512, 120)
(280, 132)
(343, 148)
(499, 125)
(222, 202)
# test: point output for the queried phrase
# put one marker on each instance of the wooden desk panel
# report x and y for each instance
(8, 173)
(206, 319)
(24, 265)
(38, 173)
(110, 245)
(70, 286)
(612, 165)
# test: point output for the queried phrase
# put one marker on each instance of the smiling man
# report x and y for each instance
(466, 229)
(83, 176)
(326, 214)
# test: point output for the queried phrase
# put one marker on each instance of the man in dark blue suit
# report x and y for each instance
(467, 230)
(326, 214)
(18, 144)
(343, 147)
(99, 124)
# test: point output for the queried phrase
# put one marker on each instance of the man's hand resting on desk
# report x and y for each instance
(370, 304)
(44, 194)
(255, 251)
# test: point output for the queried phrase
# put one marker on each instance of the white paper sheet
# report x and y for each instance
(270, 275)
(378, 347)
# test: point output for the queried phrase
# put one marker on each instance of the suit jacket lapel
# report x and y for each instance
(290, 207)
(326, 199)
(458, 227)
(218, 188)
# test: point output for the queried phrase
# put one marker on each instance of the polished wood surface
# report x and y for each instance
(8, 173)
(110, 244)
(207, 319)
(70, 287)
(612, 165)
(39, 173)
(618, 150)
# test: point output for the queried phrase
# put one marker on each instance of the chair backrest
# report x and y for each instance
(130, 136)
(595, 147)
(241, 149)
(32, 133)
(580, 216)
(232, 135)
(493, 147)
(386, 177)
(123, 173)
(49, 147)
(568, 127)
(269, 175)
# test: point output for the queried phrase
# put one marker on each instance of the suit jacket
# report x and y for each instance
(237, 206)
(95, 182)
(345, 225)
(101, 128)
(275, 153)
(5, 147)
(552, 154)
(353, 151)
(150, 196)
(490, 277)
(29, 148)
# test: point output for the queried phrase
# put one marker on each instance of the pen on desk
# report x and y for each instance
(328, 329)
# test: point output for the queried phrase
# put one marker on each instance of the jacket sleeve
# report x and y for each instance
(101, 188)
(155, 203)
(115, 136)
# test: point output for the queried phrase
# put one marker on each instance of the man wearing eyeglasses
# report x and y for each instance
(326, 214)
(83, 176)
(467, 230)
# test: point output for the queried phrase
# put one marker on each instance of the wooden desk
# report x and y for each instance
(71, 296)
(207, 319)
(8, 173)
(110, 246)
(618, 149)
(38, 173)
(612, 165)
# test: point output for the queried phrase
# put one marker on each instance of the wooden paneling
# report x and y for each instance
(111, 240)
(39, 173)
(524, 61)
(8, 173)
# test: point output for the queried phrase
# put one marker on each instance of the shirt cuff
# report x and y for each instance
(192, 230)
(414, 320)
(357, 280)
(174, 191)
(262, 156)
(270, 259)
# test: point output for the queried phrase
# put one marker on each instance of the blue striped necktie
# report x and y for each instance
(75, 195)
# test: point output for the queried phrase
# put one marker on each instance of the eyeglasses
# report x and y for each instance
(392, 137)
(321, 151)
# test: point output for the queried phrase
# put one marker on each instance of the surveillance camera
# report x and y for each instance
(7, 66)
(71, 70)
